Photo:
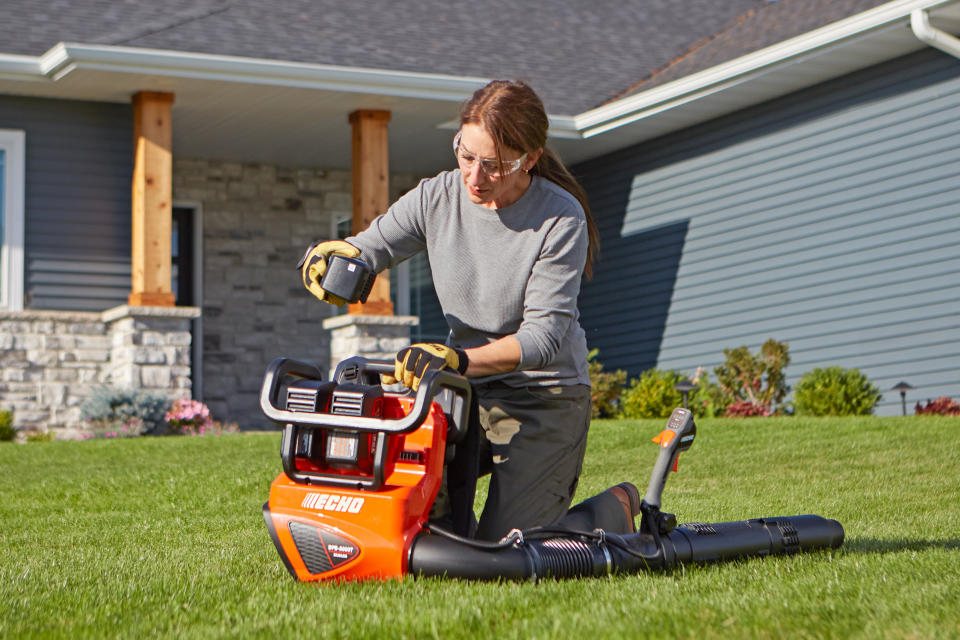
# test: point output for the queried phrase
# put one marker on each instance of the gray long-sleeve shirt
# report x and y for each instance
(513, 271)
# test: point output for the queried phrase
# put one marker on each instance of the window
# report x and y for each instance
(181, 259)
(11, 219)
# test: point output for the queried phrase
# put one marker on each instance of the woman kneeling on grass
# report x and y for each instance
(509, 234)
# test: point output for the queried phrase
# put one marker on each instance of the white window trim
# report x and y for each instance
(11, 253)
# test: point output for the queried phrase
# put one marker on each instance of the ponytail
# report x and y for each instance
(549, 166)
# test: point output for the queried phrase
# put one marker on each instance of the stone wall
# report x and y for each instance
(51, 361)
(378, 337)
(257, 222)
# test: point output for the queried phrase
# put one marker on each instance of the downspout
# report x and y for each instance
(920, 23)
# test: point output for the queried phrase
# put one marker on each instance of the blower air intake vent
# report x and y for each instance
(361, 400)
(791, 537)
(412, 456)
(309, 396)
(701, 528)
(302, 400)
(320, 549)
(347, 403)
(310, 547)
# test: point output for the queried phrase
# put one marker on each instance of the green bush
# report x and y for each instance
(7, 432)
(124, 412)
(835, 391)
(651, 395)
(755, 379)
(606, 387)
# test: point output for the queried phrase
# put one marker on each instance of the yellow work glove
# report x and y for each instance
(414, 361)
(314, 262)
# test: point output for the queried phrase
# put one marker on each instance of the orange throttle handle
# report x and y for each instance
(673, 440)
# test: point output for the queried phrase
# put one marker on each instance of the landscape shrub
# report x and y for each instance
(7, 432)
(189, 417)
(939, 407)
(606, 387)
(651, 395)
(745, 409)
(756, 379)
(835, 391)
(115, 412)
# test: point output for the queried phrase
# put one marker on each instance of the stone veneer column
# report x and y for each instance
(151, 348)
(368, 336)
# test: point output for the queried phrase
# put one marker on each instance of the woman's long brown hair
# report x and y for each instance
(514, 116)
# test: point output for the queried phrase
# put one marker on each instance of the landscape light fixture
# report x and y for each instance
(902, 388)
(684, 387)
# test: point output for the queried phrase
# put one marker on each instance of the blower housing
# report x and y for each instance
(362, 467)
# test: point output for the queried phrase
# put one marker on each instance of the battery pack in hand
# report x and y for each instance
(348, 278)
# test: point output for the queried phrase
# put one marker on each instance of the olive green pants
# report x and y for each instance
(535, 439)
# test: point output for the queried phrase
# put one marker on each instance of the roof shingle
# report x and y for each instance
(752, 31)
(577, 55)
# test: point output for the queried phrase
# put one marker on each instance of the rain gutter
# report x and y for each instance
(724, 76)
(65, 58)
(930, 35)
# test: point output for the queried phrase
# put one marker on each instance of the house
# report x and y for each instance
(758, 169)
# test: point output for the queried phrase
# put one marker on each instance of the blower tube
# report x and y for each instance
(582, 554)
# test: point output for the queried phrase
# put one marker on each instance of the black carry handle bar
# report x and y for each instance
(431, 383)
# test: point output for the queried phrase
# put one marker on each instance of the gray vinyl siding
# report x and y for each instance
(829, 219)
(79, 161)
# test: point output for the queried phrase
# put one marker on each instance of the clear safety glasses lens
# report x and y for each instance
(488, 166)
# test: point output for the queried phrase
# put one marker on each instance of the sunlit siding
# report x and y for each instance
(829, 220)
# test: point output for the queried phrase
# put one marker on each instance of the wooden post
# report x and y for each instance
(152, 205)
(371, 194)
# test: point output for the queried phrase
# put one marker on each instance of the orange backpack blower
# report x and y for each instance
(362, 467)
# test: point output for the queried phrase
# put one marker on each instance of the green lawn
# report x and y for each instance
(164, 537)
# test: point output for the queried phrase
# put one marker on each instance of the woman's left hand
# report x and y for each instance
(414, 361)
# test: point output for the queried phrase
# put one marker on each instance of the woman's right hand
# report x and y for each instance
(313, 264)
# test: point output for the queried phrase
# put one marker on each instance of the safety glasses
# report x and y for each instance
(488, 166)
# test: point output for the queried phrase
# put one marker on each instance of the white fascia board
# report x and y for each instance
(65, 58)
(723, 76)
(564, 127)
(17, 67)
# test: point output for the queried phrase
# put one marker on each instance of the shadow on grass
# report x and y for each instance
(880, 545)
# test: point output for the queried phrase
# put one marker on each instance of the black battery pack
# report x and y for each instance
(348, 278)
